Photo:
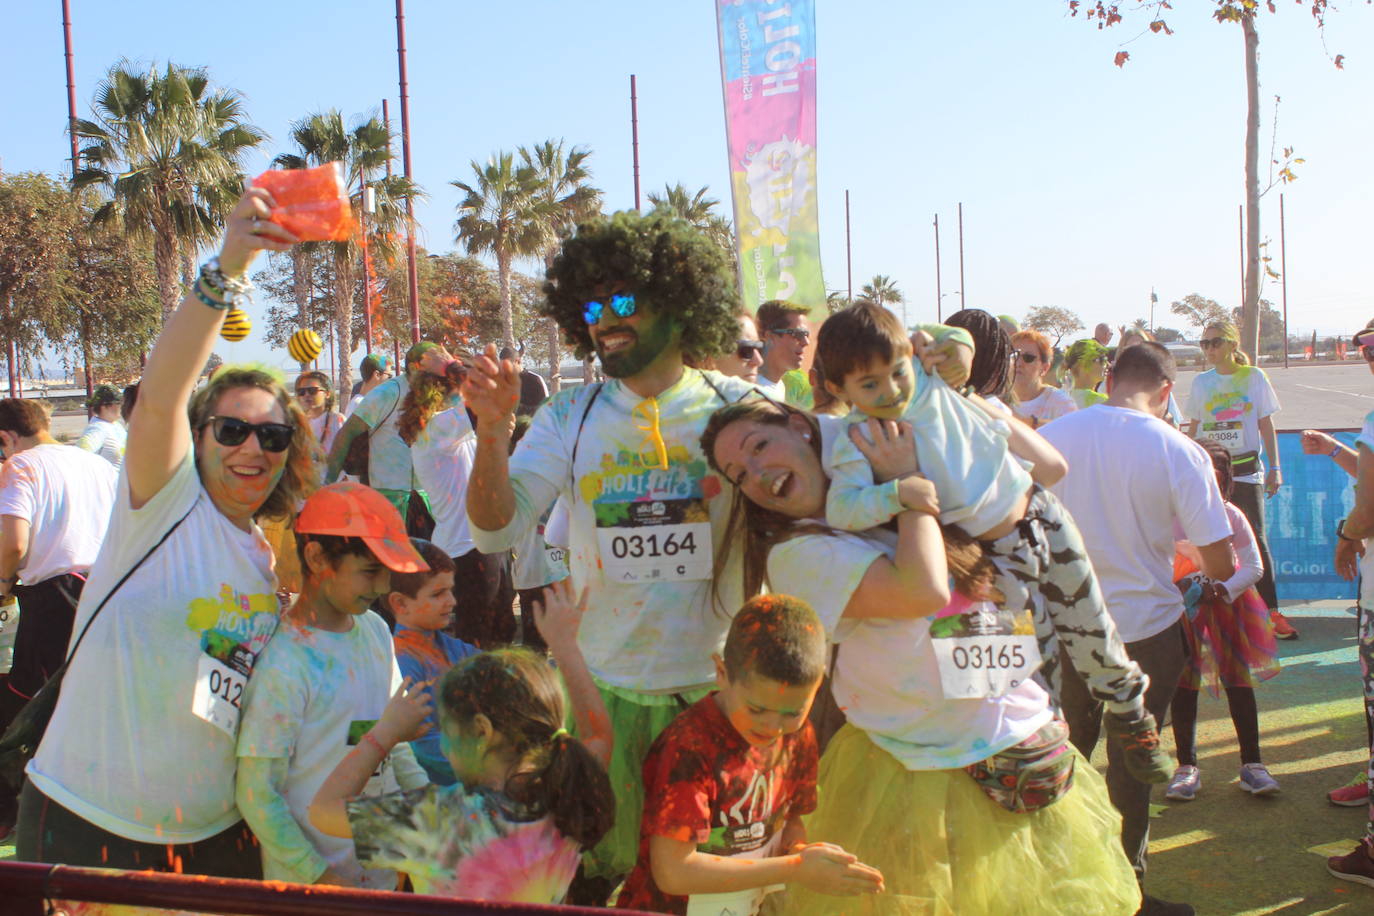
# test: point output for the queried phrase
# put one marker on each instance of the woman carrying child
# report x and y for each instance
(1231, 643)
(915, 784)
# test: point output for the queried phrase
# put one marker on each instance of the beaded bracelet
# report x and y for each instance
(217, 304)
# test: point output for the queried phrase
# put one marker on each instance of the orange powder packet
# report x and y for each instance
(311, 203)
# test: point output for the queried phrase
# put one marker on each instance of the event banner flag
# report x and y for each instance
(768, 74)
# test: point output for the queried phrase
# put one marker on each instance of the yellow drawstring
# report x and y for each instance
(647, 409)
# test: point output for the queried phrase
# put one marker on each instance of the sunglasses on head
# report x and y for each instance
(231, 431)
(308, 391)
(622, 306)
(745, 349)
(799, 333)
(1208, 342)
(1026, 357)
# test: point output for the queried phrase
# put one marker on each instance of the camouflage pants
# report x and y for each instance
(1043, 567)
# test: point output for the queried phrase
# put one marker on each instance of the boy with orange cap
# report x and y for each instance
(321, 683)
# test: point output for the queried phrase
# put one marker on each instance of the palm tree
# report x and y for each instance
(700, 211)
(168, 148)
(503, 214)
(363, 150)
(882, 290)
(568, 200)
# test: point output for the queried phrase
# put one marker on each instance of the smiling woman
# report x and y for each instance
(136, 769)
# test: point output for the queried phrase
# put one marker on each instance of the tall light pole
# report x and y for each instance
(405, 161)
(1153, 299)
(71, 133)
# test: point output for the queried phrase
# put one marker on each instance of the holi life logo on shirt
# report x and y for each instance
(233, 617)
(628, 476)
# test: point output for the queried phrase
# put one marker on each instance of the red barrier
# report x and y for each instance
(28, 887)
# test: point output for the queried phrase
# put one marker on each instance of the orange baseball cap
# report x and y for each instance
(348, 509)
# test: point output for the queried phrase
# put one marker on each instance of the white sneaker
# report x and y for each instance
(1255, 779)
(1185, 785)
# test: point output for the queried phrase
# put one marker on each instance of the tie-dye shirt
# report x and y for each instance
(642, 529)
(456, 842)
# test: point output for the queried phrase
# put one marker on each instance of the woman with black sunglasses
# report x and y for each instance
(136, 769)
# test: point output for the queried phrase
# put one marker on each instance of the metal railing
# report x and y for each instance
(28, 888)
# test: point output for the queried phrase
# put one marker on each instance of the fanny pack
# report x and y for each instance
(1031, 775)
(1244, 462)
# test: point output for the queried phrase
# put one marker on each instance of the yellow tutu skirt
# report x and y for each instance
(946, 849)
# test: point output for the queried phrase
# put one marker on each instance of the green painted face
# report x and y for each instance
(628, 346)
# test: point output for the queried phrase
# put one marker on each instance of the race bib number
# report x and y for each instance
(984, 652)
(1226, 433)
(219, 693)
(556, 556)
(655, 541)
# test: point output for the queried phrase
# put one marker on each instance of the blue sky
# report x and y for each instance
(1083, 185)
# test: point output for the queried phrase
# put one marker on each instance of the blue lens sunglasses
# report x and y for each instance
(623, 306)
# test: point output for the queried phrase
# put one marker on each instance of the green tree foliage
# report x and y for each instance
(503, 214)
(36, 220)
(882, 291)
(1199, 311)
(563, 185)
(167, 148)
(1052, 321)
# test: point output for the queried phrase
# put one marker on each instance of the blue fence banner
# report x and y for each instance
(1300, 521)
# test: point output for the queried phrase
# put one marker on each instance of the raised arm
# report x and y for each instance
(1048, 467)
(492, 392)
(915, 582)
(354, 427)
(159, 434)
(558, 618)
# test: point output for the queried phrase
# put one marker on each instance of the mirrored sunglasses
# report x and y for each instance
(745, 349)
(622, 306)
(231, 431)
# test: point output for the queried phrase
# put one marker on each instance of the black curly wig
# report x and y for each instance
(664, 261)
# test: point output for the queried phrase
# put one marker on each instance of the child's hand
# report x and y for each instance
(406, 714)
(952, 360)
(889, 447)
(558, 616)
(828, 869)
(918, 493)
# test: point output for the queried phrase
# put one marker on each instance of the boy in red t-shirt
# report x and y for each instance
(726, 784)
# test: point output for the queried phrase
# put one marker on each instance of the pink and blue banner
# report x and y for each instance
(768, 74)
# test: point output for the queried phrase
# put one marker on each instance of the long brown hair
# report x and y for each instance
(428, 395)
(762, 529)
(300, 477)
(555, 774)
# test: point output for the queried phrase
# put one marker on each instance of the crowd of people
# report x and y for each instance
(838, 640)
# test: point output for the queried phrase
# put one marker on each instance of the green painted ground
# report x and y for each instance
(1233, 855)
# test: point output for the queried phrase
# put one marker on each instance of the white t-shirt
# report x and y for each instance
(353, 403)
(886, 676)
(124, 750)
(105, 439)
(388, 456)
(309, 689)
(1131, 476)
(325, 427)
(65, 494)
(642, 538)
(1228, 409)
(537, 562)
(442, 457)
(1049, 404)
(963, 451)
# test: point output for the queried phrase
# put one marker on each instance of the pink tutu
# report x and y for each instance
(1230, 644)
